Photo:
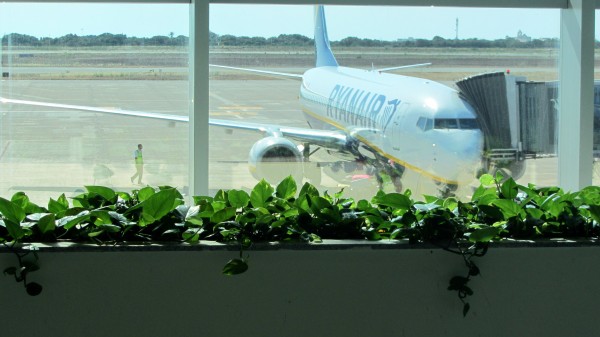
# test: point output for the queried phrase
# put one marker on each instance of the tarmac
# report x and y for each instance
(45, 152)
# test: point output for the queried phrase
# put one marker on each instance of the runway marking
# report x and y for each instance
(222, 99)
(4, 150)
(241, 107)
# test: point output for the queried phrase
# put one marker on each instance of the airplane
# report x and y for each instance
(387, 122)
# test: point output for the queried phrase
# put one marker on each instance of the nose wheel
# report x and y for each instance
(392, 170)
(447, 190)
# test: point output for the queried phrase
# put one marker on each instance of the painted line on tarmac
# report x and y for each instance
(4, 150)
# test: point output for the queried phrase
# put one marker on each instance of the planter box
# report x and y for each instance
(333, 289)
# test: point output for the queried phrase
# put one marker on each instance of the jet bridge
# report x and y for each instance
(495, 97)
(518, 117)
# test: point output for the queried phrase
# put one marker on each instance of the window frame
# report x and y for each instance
(576, 67)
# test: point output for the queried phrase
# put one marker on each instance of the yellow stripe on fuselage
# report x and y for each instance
(379, 150)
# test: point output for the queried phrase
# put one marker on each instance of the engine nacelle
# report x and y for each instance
(274, 158)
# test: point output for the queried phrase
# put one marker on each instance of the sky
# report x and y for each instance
(384, 23)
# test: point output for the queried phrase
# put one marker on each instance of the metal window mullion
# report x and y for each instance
(576, 95)
(198, 105)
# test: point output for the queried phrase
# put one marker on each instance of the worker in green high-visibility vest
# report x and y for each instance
(139, 164)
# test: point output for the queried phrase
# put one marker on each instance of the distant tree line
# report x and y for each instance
(283, 40)
(106, 39)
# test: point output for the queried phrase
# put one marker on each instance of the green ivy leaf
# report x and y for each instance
(47, 223)
(95, 233)
(487, 180)
(238, 198)
(22, 200)
(223, 215)
(302, 203)
(102, 217)
(319, 204)
(535, 213)
(493, 212)
(261, 193)
(508, 207)
(145, 193)
(11, 211)
(308, 189)
(235, 267)
(595, 212)
(394, 200)
(160, 204)
(426, 207)
(287, 188)
(220, 196)
(484, 234)
(104, 192)
(14, 229)
(450, 203)
(509, 189)
(191, 235)
(69, 221)
(58, 206)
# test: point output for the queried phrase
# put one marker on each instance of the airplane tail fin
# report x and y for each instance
(325, 56)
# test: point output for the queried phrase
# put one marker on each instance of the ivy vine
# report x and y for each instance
(499, 209)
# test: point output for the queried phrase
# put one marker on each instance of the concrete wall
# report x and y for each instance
(356, 291)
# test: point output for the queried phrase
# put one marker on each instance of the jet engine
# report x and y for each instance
(275, 158)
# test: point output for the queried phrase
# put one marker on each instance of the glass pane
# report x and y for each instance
(81, 83)
(502, 72)
(596, 144)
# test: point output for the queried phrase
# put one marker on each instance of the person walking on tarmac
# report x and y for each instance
(139, 164)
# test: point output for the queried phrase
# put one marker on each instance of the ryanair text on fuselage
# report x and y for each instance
(359, 108)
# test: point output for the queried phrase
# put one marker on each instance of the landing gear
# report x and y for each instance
(312, 170)
(514, 169)
(508, 162)
(447, 190)
(393, 171)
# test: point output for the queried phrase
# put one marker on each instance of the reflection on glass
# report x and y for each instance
(490, 67)
(72, 76)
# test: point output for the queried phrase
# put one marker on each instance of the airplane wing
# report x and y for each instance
(403, 67)
(337, 140)
(265, 72)
(114, 111)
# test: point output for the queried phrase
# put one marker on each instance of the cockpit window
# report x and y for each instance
(446, 123)
(425, 123)
(453, 123)
(468, 123)
(429, 124)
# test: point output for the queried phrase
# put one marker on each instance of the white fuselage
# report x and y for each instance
(420, 124)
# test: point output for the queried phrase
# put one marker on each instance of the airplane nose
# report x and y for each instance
(466, 151)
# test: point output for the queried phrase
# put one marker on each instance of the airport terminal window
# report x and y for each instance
(528, 51)
(525, 49)
(110, 58)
